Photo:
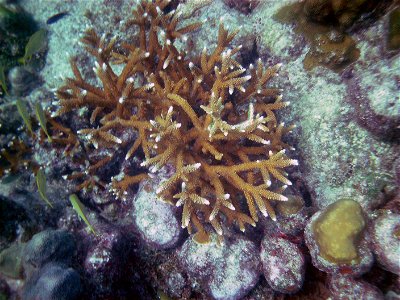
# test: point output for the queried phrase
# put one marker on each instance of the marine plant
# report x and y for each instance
(204, 116)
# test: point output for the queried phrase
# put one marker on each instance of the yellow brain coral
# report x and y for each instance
(337, 231)
(205, 115)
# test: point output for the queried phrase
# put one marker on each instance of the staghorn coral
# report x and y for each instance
(187, 112)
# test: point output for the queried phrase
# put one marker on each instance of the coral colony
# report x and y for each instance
(204, 116)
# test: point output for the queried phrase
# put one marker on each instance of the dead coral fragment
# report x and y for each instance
(188, 112)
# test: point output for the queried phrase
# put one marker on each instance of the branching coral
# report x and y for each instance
(188, 112)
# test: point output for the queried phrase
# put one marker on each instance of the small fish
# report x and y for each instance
(79, 208)
(56, 17)
(42, 119)
(3, 79)
(23, 111)
(41, 184)
(35, 44)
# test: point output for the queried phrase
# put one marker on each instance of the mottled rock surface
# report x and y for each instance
(53, 282)
(11, 261)
(386, 241)
(109, 261)
(23, 80)
(347, 288)
(283, 264)
(49, 246)
(227, 271)
(156, 220)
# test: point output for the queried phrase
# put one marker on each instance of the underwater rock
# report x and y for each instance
(48, 246)
(292, 216)
(333, 50)
(156, 220)
(4, 290)
(175, 284)
(292, 206)
(283, 264)
(343, 13)
(171, 278)
(107, 261)
(244, 6)
(347, 288)
(386, 241)
(228, 271)
(13, 216)
(11, 261)
(53, 282)
(336, 240)
(23, 80)
(16, 27)
(373, 94)
(397, 171)
(10, 121)
(330, 45)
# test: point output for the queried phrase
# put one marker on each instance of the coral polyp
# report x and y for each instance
(205, 116)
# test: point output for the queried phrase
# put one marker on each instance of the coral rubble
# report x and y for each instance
(205, 116)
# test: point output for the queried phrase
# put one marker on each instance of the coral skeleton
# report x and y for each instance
(205, 116)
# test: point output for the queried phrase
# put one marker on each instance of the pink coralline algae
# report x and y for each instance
(228, 271)
(283, 264)
(386, 241)
(156, 221)
(107, 254)
(347, 288)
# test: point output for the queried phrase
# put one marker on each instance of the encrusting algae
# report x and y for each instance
(210, 119)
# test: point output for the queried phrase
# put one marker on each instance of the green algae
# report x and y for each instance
(337, 231)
